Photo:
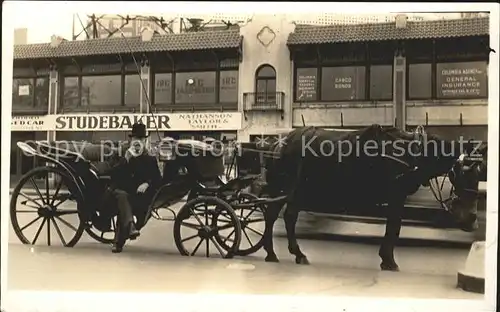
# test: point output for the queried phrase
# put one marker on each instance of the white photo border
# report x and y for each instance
(20, 301)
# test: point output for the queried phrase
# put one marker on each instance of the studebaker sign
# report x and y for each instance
(211, 121)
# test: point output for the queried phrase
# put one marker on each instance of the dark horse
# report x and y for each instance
(368, 167)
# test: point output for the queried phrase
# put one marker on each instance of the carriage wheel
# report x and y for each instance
(33, 201)
(100, 236)
(193, 227)
(252, 226)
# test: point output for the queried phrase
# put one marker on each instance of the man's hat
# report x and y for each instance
(138, 131)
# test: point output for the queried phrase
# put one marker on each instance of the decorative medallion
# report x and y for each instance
(266, 36)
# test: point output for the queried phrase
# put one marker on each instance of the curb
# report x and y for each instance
(470, 283)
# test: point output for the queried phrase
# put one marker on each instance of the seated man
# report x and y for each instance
(135, 179)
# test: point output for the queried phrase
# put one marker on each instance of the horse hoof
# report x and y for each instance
(272, 259)
(229, 256)
(302, 260)
(389, 267)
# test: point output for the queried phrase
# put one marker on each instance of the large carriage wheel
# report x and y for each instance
(252, 226)
(100, 236)
(197, 216)
(35, 205)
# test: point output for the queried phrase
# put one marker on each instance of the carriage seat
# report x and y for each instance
(88, 151)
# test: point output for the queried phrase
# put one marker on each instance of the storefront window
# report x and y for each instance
(306, 84)
(420, 81)
(163, 88)
(381, 82)
(133, 87)
(71, 97)
(101, 90)
(22, 92)
(195, 87)
(462, 80)
(343, 83)
(228, 92)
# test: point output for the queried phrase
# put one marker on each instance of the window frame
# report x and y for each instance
(216, 87)
(33, 77)
(361, 57)
(267, 99)
(434, 59)
(79, 72)
(158, 67)
(366, 73)
(220, 85)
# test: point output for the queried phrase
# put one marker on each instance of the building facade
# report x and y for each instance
(263, 78)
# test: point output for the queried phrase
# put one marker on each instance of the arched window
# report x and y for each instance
(265, 85)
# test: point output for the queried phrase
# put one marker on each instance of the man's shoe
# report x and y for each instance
(116, 248)
(133, 232)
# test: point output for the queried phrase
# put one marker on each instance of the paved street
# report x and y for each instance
(152, 263)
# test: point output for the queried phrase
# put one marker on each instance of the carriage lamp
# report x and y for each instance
(190, 81)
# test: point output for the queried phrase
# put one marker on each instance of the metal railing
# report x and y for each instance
(263, 101)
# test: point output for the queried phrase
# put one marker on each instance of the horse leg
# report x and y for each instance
(291, 216)
(392, 230)
(271, 214)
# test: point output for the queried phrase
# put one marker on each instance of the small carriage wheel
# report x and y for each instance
(99, 235)
(247, 222)
(44, 206)
(205, 229)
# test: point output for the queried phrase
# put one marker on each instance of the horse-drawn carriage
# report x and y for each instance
(216, 212)
(294, 175)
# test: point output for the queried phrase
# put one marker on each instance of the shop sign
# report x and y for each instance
(29, 123)
(116, 122)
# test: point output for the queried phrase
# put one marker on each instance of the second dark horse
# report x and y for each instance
(368, 167)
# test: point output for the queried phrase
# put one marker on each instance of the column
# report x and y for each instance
(52, 109)
(399, 93)
(145, 77)
(145, 96)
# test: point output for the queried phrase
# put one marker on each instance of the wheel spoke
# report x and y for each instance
(225, 221)
(59, 233)
(225, 227)
(47, 189)
(27, 211)
(206, 215)
(37, 189)
(29, 206)
(62, 201)
(56, 192)
(189, 238)
(207, 248)
(256, 220)
(31, 223)
(227, 238)
(197, 246)
(248, 238)
(216, 246)
(30, 199)
(66, 212)
(197, 218)
(66, 223)
(255, 231)
(225, 216)
(38, 232)
(250, 213)
(190, 225)
(48, 232)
